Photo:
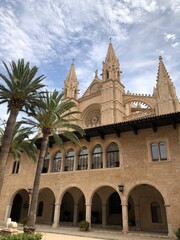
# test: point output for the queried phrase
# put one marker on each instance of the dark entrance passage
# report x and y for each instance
(16, 208)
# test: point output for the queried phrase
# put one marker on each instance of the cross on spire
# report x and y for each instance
(110, 39)
(73, 60)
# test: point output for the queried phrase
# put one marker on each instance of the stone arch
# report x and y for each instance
(110, 140)
(115, 188)
(138, 106)
(106, 206)
(148, 205)
(19, 205)
(156, 186)
(140, 99)
(67, 189)
(47, 196)
(72, 201)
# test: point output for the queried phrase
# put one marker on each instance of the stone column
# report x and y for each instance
(169, 224)
(7, 213)
(137, 216)
(125, 217)
(75, 214)
(89, 160)
(56, 215)
(88, 214)
(63, 162)
(104, 155)
(75, 161)
(104, 208)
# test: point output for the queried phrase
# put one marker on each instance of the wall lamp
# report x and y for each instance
(29, 191)
(121, 188)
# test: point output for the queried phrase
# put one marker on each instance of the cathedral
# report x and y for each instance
(126, 176)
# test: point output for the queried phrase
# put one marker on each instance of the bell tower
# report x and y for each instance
(112, 89)
(165, 92)
(71, 86)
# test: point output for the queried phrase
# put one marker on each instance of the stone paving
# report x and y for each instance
(73, 233)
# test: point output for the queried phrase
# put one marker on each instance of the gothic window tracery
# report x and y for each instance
(93, 118)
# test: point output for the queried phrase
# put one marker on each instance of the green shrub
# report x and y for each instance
(22, 236)
(84, 225)
(178, 233)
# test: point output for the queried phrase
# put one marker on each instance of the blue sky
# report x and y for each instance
(50, 33)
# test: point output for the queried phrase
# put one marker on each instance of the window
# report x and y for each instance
(40, 209)
(158, 151)
(15, 168)
(97, 157)
(156, 212)
(112, 155)
(83, 159)
(69, 160)
(46, 163)
(57, 162)
(107, 74)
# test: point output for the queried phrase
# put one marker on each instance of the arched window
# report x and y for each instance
(69, 160)
(40, 209)
(162, 151)
(154, 152)
(113, 155)
(57, 162)
(83, 159)
(158, 151)
(97, 157)
(156, 212)
(46, 163)
(15, 168)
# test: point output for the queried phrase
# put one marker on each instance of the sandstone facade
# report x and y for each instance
(127, 173)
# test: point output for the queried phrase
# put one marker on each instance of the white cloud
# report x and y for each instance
(169, 36)
(176, 44)
(51, 33)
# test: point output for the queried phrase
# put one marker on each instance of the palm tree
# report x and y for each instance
(20, 94)
(20, 142)
(55, 115)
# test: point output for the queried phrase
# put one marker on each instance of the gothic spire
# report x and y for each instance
(163, 75)
(111, 67)
(165, 91)
(71, 84)
(111, 56)
(72, 75)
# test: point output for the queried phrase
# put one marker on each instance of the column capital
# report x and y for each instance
(124, 204)
(88, 205)
(56, 204)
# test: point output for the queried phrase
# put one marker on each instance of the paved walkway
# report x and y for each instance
(73, 233)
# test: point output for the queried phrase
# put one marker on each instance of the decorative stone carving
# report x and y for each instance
(93, 118)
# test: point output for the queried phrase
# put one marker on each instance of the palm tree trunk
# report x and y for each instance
(30, 224)
(6, 141)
